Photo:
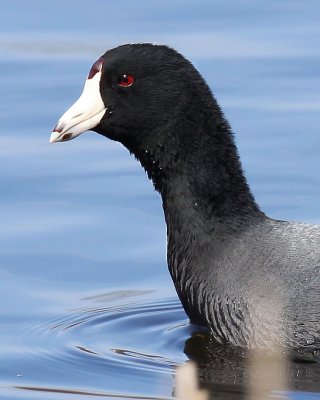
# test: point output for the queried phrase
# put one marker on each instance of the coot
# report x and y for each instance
(252, 279)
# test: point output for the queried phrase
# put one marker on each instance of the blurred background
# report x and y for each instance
(86, 302)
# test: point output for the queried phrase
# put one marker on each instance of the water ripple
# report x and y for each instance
(146, 336)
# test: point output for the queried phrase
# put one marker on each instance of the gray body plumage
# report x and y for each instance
(255, 288)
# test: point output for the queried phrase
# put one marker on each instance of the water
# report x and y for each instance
(87, 305)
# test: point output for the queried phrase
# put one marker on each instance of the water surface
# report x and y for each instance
(87, 304)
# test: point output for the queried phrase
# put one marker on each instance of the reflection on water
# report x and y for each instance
(127, 334)
(127, 343)
(87, 305)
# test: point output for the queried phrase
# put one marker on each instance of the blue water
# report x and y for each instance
(86, 303)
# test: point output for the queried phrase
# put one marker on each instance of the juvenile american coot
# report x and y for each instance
(252, 279)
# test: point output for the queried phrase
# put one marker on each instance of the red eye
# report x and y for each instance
(126, 80)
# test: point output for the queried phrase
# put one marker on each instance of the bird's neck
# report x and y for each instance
(199, 176)
(206, 199)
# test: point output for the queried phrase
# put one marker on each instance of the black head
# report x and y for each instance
(144, 90)
(152, 100)
(160, 87)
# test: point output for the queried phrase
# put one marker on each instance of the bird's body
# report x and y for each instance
(253, 280)
(250, 290)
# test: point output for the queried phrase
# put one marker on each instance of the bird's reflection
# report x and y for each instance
(233, 373)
